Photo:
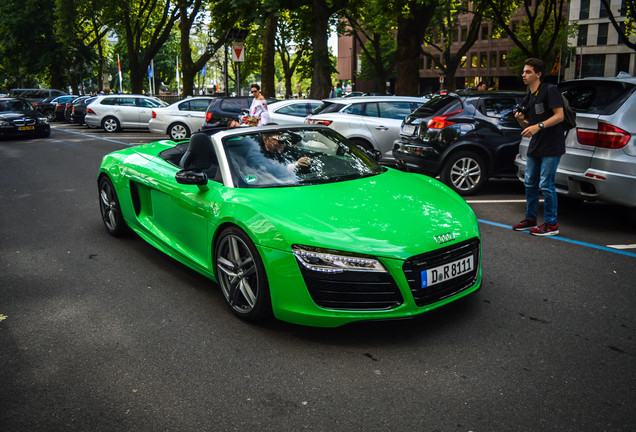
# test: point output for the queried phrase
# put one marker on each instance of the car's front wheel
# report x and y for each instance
(50, 115)
(178, 131)
(111, 124)
(464, 172)
(110, 209)
(241, 275)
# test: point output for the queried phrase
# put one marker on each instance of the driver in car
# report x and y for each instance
(276, 146)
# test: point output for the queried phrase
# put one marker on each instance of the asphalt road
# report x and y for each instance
(105, 334)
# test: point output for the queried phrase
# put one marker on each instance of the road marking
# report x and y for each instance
(94, 136)
(567, 240)
(624, 246)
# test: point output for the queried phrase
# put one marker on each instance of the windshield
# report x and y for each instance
(15, 105)
(295, 157)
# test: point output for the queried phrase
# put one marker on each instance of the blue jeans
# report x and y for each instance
(540, 175)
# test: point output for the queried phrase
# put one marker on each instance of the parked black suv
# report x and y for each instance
(464, 137)
(223, 109)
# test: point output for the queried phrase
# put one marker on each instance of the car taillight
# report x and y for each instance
(606, 136)
(440, 122)
(89, 111)
(319, 122)
(58, 105)
(154, 114)
(208, 116)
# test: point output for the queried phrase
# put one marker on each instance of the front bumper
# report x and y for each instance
(295, 297)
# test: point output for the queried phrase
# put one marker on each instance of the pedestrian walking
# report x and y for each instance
(541, 115)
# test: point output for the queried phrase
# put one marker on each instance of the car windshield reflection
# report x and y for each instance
(281, 158)
(14, 106)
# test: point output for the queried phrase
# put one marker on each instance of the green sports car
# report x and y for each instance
(296, 222)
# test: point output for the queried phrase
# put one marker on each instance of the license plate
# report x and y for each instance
(447, 271)
(23, 128)
(408, 130)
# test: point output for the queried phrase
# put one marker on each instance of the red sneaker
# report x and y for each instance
(525, 224)
(545, 230)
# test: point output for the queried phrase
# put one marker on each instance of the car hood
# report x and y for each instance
(393, 214)
(8, 116)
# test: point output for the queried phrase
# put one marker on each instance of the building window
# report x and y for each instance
(601, 39)
(503, 58)
(454, 35)
(464, 31)
(484, 32)
(474, 60)
(483, 59)
(462, 62)
(584, 13)
(593, 65)
(582, 39)
(493, 59)
(602, 13)
(623, 9)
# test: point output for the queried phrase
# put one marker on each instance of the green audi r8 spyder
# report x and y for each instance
(297, 223)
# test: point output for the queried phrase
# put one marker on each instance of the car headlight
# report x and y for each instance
(42, 120)
(330, 261)
(5, 123)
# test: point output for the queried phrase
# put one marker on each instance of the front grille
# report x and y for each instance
(415, 265)
(352, 290)
(25, 121)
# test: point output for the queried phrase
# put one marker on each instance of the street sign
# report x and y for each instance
(238, 52)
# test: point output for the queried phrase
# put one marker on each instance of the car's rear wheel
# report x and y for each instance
(241, 275)
(110, 209)
(111, 124)
(178, 131)
(464, 172)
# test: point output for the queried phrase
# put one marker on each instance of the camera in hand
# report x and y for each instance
(520, 109)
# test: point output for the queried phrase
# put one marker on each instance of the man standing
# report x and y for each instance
(541, 119)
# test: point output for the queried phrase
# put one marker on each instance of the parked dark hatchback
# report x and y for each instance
(223, 109)
(78, 111)
(49, 107)
(464, 137)
(18, 118)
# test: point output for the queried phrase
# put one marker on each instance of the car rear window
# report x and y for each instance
(596, 97)
(439, 105)
(329, 107)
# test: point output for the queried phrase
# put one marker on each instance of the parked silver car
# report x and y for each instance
(371, 122)
(600, 155)
(117, 112)
(291, 111)
(180, 119)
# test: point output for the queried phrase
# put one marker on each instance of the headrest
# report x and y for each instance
(200, 153)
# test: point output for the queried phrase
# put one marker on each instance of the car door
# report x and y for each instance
(384, 120)
(145, 111)
(504, 145)
(178, 215)
(127, 111)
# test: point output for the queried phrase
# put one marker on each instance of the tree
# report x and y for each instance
(145, 26)
(545, 21)
(629, 27)
(371, 26)
(413, 19)
(445, 28)
(292, 41)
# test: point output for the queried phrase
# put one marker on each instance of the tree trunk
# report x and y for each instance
(410, 37)
(268, 87)
(321, 77)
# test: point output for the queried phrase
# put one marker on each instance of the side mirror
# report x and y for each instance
(191, 178)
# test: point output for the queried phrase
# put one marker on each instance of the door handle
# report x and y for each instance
(383, 128)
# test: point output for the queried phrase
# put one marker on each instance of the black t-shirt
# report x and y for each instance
(550, 141)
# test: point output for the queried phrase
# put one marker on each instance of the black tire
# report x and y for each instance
(111, 125)
(362, 144)
(50, 115)
(111, 211)
(241, 275)
(465, 172)
(178, 131)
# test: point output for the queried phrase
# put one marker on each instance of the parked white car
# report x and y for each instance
(122, 111)
(180, 119)
(371, 122)
(291, 111)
